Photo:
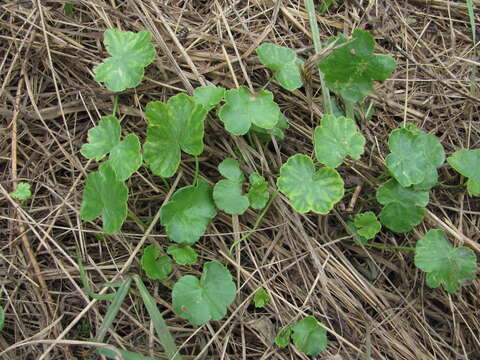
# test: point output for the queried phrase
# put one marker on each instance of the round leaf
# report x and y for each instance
(228, 197)
(367, 225)
(242, 110)
(130, 54)
(107, 196)
(183, 255)
(22, 192)
(102, 138)
(307, 189)
(258, 191)
(126, 158)
(443, 263)
(393, 192)
(230, 169)
(336, 138)
(261, 298)
(283, 337)
(284, 62)
(204, 299)
(467, 163)
(155, 266)
(188, 213)
(208, 96)
(309, 336)
(401, 218)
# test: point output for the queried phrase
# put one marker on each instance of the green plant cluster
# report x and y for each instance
(178, 126)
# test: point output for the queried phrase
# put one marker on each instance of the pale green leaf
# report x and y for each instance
(284, 62)
(335, 138)
(102, 138)
(467, 163)
(309, 336)
(22, 192)
(277, 130)
(104, 195)
(188, 213)
(243, 109)
(307, 189)
(261, 298)
(443, 263)
(130, 54)
(351, 69)
(367, 225)
(230, 169)
(155, 266)
(172, 127)
(283, 337)
(204, 299)
(258, 191)
(228, 197)
(183, 255)
(126, 158)
(208, 96)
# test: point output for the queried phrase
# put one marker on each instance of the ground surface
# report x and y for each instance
(374, 303)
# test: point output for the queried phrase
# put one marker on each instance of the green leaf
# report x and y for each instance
(467, 163)
(130, 54)
(283, 337)
(22, 192)
(277, 131)
(284, 62)
(243, 109)
(261, 298)
(68, 8)
(309, 336)
(367, 225)
(227, 194)
(183, 255)
(104, 195)
(172, 127)
(351, 69)
(443, 263)
(155, 266)
(335, 138)
(102, 138)
(204, 299)
(208, 96)
(258, 191)
(126, 158)
(404, 207)
(188, 213)
(414, 156)
(307, 189)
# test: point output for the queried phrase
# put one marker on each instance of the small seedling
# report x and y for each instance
(308, 335)
(307, 189)
(188, 213)
(284, 62)
(22, 192)
(467, 163)
(335, 138)
(366, 225)
(261, 298)
(204, 299)
(130, 54)
(155, 266)
(443, 263)
(183, 255)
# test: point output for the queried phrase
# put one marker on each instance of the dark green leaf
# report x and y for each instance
(367, 225)
(125, 157)
(261, 298)
(155, 266)
(258, 191)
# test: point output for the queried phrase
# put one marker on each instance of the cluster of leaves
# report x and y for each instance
(22, 192)
(307, 334)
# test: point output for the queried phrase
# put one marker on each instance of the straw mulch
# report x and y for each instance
(374, 303)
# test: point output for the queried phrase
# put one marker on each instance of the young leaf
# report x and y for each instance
(188, 213)
(242, 110)
(206, 299)
(155, 266)
(467, 163)
(335, 138)
(126, 158)
(261, 298)
(22, 192)
(283, 337)
(208, 96)
(258, 191)
(130, 54)
(404, 207)
(351, 69)
(443, 263)
(307, 189)
(284, 62)
(104, 195)
(227, 193)
(309, 336)
(367, 225)
(183, 255)
(414, 156)
(102, 138)
(172, 127)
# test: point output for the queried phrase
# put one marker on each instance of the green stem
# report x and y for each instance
(115, 105)
(312, 18)
(389, 247)
(139, 222)
(257, 222)
(197, 171)
(349, 111)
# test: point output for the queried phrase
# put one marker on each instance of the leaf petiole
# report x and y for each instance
(389, 247)
(197, 171)
(115, 105)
